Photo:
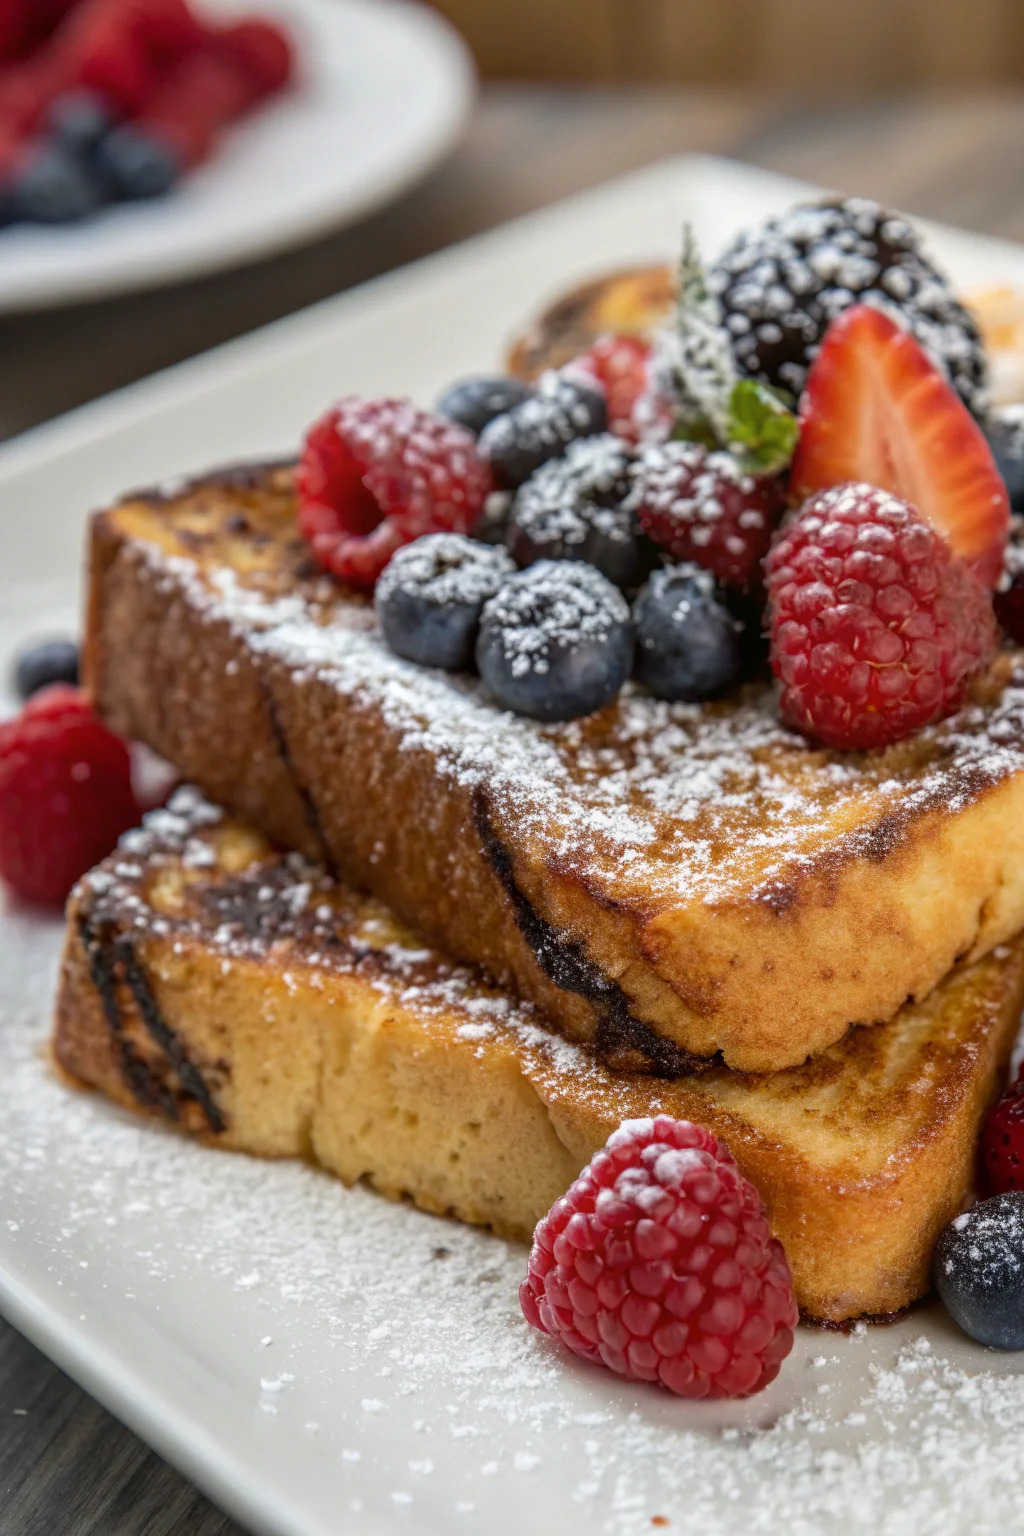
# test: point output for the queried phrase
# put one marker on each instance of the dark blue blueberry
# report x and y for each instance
(1005, 432)
(79, 119)
(979, 1271)
(541, 428)
(430, 596)
(54, 188)
(474, 403)
(135, 165)
(49, 661)
(572, 509)
(556, 642)
(687, 641)
(491, 527)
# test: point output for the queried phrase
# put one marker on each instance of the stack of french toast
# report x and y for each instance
(449, 948)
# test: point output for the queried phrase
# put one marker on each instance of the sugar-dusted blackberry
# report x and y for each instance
(1008, 597)
(430, 596)
(572, 509)
(556, 642)
(474, 403)
(687, 641)
(541, 428)
(781, 284)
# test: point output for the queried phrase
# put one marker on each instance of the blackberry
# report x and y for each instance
(781, 284)
(474, 403)
(1008, 598)
(1004, 429)
(687, 641)
(572, 509)
(556, 642)
(541, 428)
(430, 596)
(46, 662)
(979, 1271)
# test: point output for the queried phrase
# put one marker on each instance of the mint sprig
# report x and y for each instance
(761, 432)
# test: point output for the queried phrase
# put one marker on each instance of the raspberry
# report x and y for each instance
(263, 54)
(65, 794)
(703, 507)
(876, 627)
(619, 365)
(1002, 1142)
(376, 474)
(659, 1263)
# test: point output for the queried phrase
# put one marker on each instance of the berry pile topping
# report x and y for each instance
(541, 428)
(474, 403)
(687, 641)
(877, 409)
(376, 474)
(875, 626)
(618, 365)
(65, 795)
(780, 286)
(556, 642)
(48, 661)
(1002, 1142)
(431, 594)
(572, 509)
(659, 1264)
(703, 507)
(979, 1271)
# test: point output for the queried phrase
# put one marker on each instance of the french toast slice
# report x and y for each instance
(672, 883)
(633, 301)
(243, 995)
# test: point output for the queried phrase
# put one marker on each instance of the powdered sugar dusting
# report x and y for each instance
(394, 1340)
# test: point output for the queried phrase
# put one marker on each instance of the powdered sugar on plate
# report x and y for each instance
(364, 1358)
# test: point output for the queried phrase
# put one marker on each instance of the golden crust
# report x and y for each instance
(632, 302)
(668, 882)
(253, 1001)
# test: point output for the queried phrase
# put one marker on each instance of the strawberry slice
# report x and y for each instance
(876, 409)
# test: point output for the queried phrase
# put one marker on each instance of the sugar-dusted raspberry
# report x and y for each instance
(619, 365)
(1002, 1142)
(658, 1262)
(376, 474)
(702, 506)
(875, 627)
(65, 794)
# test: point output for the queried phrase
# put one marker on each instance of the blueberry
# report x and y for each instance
(491, 527)
(54, 188)
(135, 165)
(430, 596)
(572, 509)
(979, 1271)
(688, 643)
(556, 642)
(49, 661)
(474, 403)
(541, 428)
(79, 119)
(1005, 432)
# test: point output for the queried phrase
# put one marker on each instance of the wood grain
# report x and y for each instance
(811, 45)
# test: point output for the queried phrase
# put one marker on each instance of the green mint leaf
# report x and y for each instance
(762, 432)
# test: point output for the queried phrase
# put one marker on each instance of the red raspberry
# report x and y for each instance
(876, 627)
(376, 474)
(262, 53)
(1002, 1141)
(659, 1263)
(703, 507)
(619, 365)
(65, 794)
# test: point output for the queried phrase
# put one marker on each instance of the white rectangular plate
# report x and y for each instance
(317, 1359)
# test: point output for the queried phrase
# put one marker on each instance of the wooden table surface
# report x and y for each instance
(65, 1465)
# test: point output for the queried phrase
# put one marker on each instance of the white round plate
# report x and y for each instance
(383, 90)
